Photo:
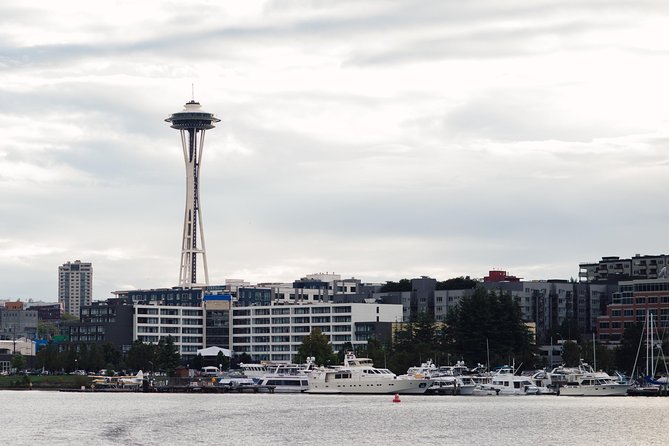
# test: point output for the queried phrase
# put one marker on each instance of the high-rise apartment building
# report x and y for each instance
(75, 286)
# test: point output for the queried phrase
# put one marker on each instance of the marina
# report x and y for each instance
(251, 419)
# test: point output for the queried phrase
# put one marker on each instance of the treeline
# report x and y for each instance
(457, 283)
(484, 328)
(483, 325)
(487, 328)
(161, 357)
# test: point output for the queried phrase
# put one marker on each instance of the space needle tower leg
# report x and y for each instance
(192, 123)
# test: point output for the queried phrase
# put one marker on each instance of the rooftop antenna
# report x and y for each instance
(192, 91)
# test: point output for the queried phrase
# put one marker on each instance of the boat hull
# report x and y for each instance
(380, 386)
(600, 390)
(283, 384)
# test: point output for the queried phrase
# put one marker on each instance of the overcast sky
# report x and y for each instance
(374, 139)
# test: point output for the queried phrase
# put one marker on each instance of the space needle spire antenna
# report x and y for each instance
(192, 122)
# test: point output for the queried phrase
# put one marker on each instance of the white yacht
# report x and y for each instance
(425, 370)
(584, 381)
(254, 371)
(448, 380)
(506, 382)
(358, 375)
(233, 379)
(288, 378)
(452, 385)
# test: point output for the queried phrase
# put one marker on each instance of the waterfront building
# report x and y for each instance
(275, 332)
(75, 286)
(10, 347)
(47, 312)
(184, 324)
(546, 303)
(109, 321)
(320, 287)
(419, 299)
(176, 312)
(232, 285)
(251, 295)
(634, 300)
(591, 300)
(218, 327)
(446, 300)
(614, 268)
(154, 314)
(17, 322)
(176, 296)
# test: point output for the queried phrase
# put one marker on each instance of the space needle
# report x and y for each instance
(192, 122)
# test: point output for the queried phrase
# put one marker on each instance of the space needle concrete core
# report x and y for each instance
(192, 122)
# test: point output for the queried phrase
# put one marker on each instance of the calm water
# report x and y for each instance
(54, 418)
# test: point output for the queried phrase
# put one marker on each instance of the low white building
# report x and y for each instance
(275, 332)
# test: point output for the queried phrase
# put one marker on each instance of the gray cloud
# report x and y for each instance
(378, 139)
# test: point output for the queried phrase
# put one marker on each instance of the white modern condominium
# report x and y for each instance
(185, 325)
(275, 332)
(75, 286)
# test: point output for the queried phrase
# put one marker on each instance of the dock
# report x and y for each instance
(250, 388)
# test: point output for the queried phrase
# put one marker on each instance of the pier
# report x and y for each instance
(251, 388)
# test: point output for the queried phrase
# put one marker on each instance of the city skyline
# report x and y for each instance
(380, 140)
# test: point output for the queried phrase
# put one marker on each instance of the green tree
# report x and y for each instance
(111, 355)
(142, 356)
(19, 362)
(402, 285)
(96, 359)
(244, 358)
(70, 357)
(83, 359)
(346, 347)
(375, 351)
(47, 330)
(197, 363)
(168, 355)
(625, 355)
(67, 317)
(418, 340)
(400, 361)
(49, 358)
(571, 354)
(222, 361)
(567, 330)
(316, 345)
(487, 319)
(605, 357)
(457, 283)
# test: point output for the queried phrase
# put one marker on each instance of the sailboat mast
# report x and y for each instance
(594, 352)
(647, 341)
(652, 353)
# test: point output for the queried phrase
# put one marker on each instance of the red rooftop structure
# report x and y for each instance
(500, 276)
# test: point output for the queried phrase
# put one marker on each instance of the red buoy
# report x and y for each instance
(397, 399)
